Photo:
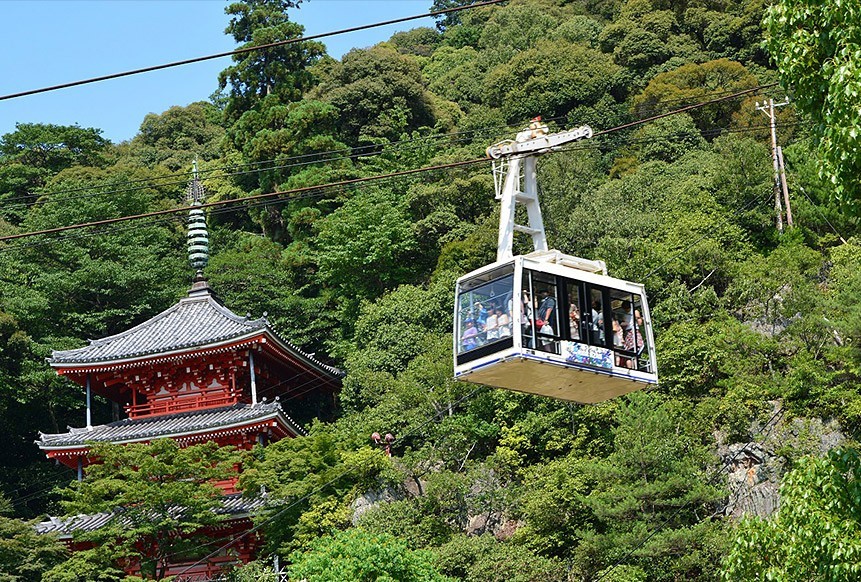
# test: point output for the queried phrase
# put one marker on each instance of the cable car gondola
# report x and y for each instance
(548, 323)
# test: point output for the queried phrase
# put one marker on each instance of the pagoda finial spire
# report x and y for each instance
(198, 236)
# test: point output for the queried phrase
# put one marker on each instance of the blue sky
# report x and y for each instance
(47, 42)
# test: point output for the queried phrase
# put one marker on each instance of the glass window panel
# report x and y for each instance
(484, 313)
(596, 317)
(574, 317)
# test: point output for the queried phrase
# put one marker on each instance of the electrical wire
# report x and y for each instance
(244, 50)
(357, 152)
(355, 180)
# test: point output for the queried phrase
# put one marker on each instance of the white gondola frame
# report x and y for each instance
(536, 371)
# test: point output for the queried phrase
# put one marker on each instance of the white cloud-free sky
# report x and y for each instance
(48, 42)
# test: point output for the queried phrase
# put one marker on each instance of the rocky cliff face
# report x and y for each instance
(754, 469)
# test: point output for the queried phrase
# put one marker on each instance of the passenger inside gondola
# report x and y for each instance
(469, 341)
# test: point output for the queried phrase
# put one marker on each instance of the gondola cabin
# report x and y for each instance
(553, 325)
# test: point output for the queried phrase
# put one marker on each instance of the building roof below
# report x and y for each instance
(186, 424)
(234, 506)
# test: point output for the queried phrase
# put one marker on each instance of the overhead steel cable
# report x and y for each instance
(301, 190)
(357, 152)
(353, 153)
(354, 180)
(244, 50)
(684, 109)
(579, 146)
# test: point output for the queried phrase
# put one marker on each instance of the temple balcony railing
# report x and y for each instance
(211, 398)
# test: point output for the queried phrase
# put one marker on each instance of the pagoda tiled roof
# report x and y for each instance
(234, 505)
(195, 322)
(170, 426)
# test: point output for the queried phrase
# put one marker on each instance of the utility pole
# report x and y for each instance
(779, 170)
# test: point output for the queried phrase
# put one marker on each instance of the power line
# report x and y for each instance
(245, 50)
(352, 181)
(242, 200)
(356, 152)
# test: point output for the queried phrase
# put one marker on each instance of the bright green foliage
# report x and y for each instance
(647, 36)
(368, 235)
(96, 285)
(317, 475)
(25, 555)
(179, 136)
(816, 534)
(357, 555)
(817, 49)
(628, 490)
(549, 80)
(280, 71)
(163, 497)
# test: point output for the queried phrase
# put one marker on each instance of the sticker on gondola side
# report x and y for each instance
(578, 353)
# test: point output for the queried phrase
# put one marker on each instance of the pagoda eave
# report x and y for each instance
(243, 435)
(81, 368)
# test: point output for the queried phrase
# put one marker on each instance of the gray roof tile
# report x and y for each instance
(172, 425)
(197, 320)
(235, 505)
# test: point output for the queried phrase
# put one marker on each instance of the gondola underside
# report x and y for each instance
(547, 378)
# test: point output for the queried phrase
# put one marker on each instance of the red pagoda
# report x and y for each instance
(195, 372)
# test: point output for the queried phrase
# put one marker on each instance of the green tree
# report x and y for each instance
(550, 80)
(24, 554)
(815, 46)
(484, 559)
(34, 152)
(816, 534)
(357, 555)
(366, 246)
(281, 71)
(692, 83)
(178, 136)
(379, 93)
(163, 497)
(651, 495)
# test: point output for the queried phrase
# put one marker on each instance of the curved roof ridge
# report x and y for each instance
(192, 321)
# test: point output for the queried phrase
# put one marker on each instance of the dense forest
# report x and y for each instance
(757, 329)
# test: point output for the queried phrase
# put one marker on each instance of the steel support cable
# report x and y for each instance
(352, 151)
(244, 50)
(684, 109)
(112, 229)
(149, 183)
(301, 190)
(52, 195)
(360, 180)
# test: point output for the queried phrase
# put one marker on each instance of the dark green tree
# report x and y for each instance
(281, 71)
(162, 497)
